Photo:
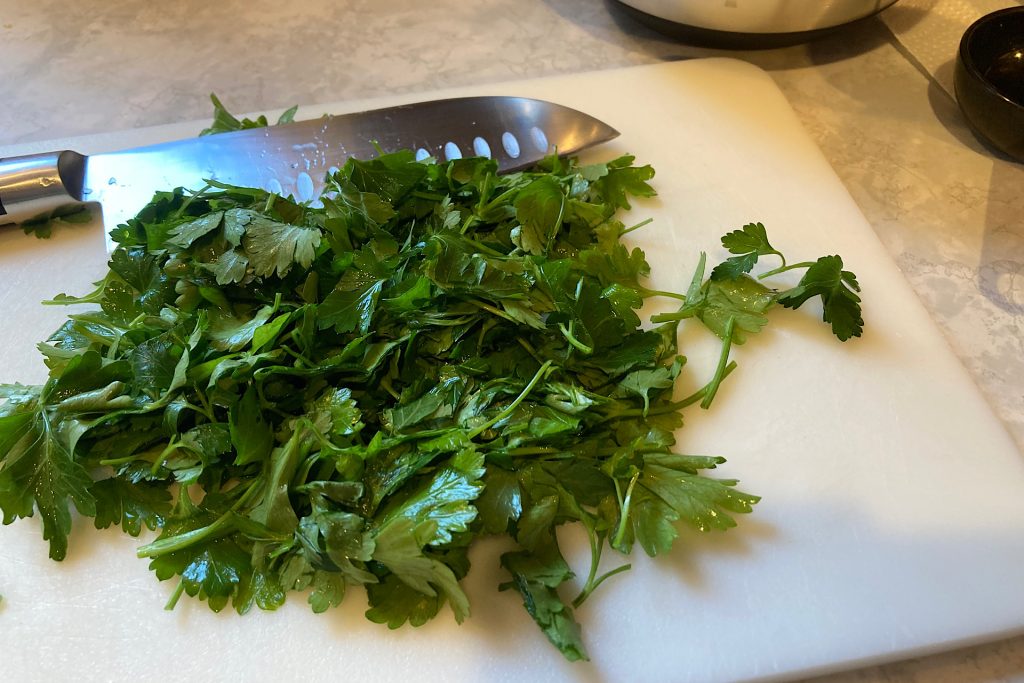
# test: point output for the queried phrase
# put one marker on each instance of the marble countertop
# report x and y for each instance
(947, 208)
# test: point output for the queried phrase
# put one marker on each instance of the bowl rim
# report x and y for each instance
(967, 61)
(657, 11)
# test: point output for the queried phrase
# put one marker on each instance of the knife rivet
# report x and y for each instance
(511, 144)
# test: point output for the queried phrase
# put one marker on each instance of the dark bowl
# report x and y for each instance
(989, 80)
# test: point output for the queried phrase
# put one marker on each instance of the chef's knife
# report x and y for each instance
(293, 159)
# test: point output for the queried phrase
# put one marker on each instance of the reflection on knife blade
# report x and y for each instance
(292, 159)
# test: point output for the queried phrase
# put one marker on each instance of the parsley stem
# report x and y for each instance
(270, 202)
(661, 292)
(207, 408)
(723, 361)
(693, 291)
(471, 219)
(596, 546)
(783, 268)
(187, 201)
(534, 450)
(636, 227)
(569, 453)
(173, 600)
(432, 196)
(683, 313)
(576, 343)
(171, 446)
(702, 392)
(542, 372)
(558, 225)
(115, 346)
(297, 356)
(499, 200)
(675, 405)
(194, 408)
(114, 462)
(223, 525)
(485, 327)
(590, 588)
(492, 309)
(624, 514)
(484, 249)
(385, 382)
(529, 349)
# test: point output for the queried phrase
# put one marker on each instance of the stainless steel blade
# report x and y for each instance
(293, 159)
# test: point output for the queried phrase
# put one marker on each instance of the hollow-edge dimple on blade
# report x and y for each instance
(294, 159)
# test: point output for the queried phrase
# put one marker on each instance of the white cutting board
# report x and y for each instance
(893, 516)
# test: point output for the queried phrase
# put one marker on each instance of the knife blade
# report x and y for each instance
(293, 159)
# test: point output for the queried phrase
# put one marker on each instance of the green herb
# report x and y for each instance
(224, 121)
(42, 227)
(825, 278)
(315, 399)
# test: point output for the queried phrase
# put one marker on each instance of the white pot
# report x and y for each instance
(760, 16)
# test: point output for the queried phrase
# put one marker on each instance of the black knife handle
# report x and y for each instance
(38, 186)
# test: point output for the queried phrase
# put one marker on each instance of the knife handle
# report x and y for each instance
(37, 186)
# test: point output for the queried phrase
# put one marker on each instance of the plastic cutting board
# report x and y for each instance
(892, 520)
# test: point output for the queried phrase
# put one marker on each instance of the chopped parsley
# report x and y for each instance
(319, 399)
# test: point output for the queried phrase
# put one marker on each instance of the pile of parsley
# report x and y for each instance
(316, 399)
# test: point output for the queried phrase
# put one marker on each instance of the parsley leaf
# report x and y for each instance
(39, 468)
(537, 577)
(352, 304)
(251, 434)
(399, 547)
(732, 304)
(395, 603)
(750, 242)
(669, 488)
(130, 505)
(743, 300)
(444, 500)
(619, 179)
(224, 121)
(273, 247)
(838, 291)
(539, 207)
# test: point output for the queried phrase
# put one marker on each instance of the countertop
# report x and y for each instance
(947, 208)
